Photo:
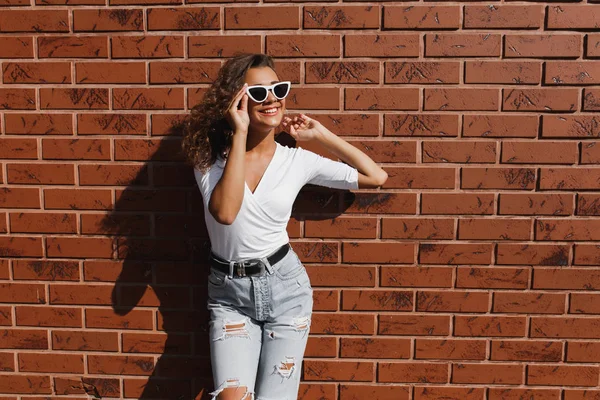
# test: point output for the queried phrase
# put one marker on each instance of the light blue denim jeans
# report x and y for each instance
(258, 330)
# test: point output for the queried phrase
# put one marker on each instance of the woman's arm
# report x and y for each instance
(370, 175)
(302, 128)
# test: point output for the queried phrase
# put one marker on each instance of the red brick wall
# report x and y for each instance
(472, 274)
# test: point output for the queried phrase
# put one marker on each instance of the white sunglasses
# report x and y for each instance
(259, 93)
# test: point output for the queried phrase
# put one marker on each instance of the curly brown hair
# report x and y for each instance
(207, 133)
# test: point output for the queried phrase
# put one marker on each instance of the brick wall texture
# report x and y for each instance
(472, 274)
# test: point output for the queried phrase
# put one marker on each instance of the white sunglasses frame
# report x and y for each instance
(289, 83)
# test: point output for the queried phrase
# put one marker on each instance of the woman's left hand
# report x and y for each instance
(301, 127)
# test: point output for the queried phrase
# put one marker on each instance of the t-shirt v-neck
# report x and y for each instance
(265, 172)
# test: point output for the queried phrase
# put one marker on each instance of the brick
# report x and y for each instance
(461, 99)
(48, 316)
(489, 326)
(137, 388)
(563, 230)
(36, 72)
(572, 17)
(75, 149)
(572, 73)
(587, 204)
(20, 246)
(536, 254)
(542, 46)
(18, 149)
(375, 348)
(19, 198)
(148, 98)
(539, 153)
(492, 278)
(414, 325)
(355, 392)
(6, 316)
(584, 304)
(422, 72)
(498, 178)
(459, 152)
(364, 252)
(421, 17)
(16, 47)
(439, 301)
(416, 277)
(535, 204)
(305, 45)
(494, 229)
(487, 374)
(456, 203)
(344, 17)
(342, 72)
(48, 174)
(503, 17)
(383, 45)
(146, 150)
(338, 371)
(412, 372)
(554, 327)
(593, 46)
(381, 99)
(342, 324)
(586, 254)
(566, 278)
(43, 223)
(77, 199)
(44, 270)
(542, 100)
(413, 228)
(82, 294)
(183, 72)
(438, 125)
(40, 362)
(444, 349)
(366, 300)
(562, 375)
(326, 300)
(107, 318)
(150, 200)
(108, 20)
(420, 178)
(38, 124)
(582, 394)
(111, 271)
(314, 98)
(84, 341)
(74, 99)
(342, 228)
(34, 21)
(165, 124)
(103, 387)
(148, 46)
(514, 73)
(111, 124)
(222, 46)
(569, 178)
(77, 247)
(24, 339)
(507, 393)
(570, 126)
(591, 100)
(529, 303)
(280, 17)
(17, 99)
(112, 175)
(462, 45)
(381, 203)
(382, 151)
(93, 224)
(72, 47)
(113, 72)
(288, 71)
(327, 252)
(31, 384)
(321, 347)
(7, 362)
(583, 352)
(444, 392)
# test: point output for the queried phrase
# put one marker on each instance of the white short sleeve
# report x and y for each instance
(325, 172)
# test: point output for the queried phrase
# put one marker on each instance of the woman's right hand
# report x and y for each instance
(237, 113)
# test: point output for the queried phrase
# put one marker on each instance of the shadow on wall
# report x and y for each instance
(160, 295)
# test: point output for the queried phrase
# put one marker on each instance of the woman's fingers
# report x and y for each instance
(244, 102)
(234, 105)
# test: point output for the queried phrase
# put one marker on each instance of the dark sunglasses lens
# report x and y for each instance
(280, 90)
(259, 94)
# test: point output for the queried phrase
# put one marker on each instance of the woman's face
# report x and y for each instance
(268, 114)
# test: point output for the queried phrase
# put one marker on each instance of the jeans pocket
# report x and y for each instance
(217, 278)
(289, 267)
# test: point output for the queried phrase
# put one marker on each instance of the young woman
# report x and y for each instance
(260, 298)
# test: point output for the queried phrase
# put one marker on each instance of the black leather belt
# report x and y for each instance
(248, 267)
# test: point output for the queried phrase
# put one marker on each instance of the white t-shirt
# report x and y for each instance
(260, 226)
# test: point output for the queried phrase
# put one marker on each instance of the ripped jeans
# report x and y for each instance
(258, 330)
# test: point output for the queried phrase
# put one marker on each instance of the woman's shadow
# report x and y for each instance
(160, 237)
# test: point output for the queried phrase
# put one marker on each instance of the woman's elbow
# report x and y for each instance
(381, 178)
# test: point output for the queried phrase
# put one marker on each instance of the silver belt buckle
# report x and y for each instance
(241, 269)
